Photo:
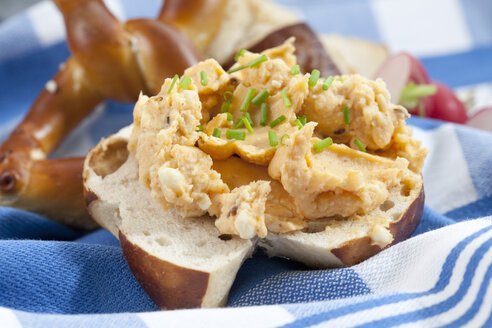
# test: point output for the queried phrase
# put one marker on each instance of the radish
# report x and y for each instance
(399, 70)
(447, 106)
(481, 119)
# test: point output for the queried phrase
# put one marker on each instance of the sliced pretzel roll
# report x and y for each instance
(179, 262)
(337, 241)
(110, 60)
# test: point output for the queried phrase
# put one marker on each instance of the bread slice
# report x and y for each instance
(354, 55)
(337, 241)
(179, 262)
(186, 262)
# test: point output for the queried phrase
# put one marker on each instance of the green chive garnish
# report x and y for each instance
(225, 107)
(226, 96)
(272, 137)
(320, 145)
(264, 114)
(260, 97)
(240, 53)
(313, 79)
(247, 100)
(236, 134)
(185, 82)
(285, 98)
(258, 61)
(328, 81)
(277, 121)
(238, 68)
(229, 116)
(203, 78)
(238, 123)
(360, 145)
(282, 139)
(247, 125)
(248, 117)
(217, 133)
(303, 119)
(298, 123)
(346, 116)
(295, 70)
(175, 78)
(199, 128)
(341, 79)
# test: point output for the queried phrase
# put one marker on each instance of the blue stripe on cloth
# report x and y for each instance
(477, 303)
(99, 237)
(262, 281)
(477, 149)
(424, 123)
(462, 69)
(32, 320)
(349, 18)
(17, 38)
(141, 9)
(62, 277)
(477, 209)
(17, 224)
(442, 282)
(23, 78)
(442, 306)
(431, 220)
(478, 14)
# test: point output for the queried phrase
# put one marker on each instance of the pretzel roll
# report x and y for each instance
(64, 102)
(200, 20)
(103, 48)
(162, 51)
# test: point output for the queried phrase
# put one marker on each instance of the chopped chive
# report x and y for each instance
(217, 133)
(247, 125)
(341, 79)
(285, 98)
(247, 100)
(260, 97)
(240, 53)
(295, 70)
(199, 128)
(185, 82)
(320, 145)
(238, 68)
(175, 78)
(327, 83)
(236, 134)
(229, 116)
(277, 121)
(264, 114)
(238, 123)
(282, 139)
(303, 119)
(346, 115)
(226, 96)
(298, 123)
(225, 107)
(272, 137)
(360, 145)
(313, 79)
(258, 61)
(248, 117)
(203, 78)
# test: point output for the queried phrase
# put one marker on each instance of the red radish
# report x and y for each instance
(399, 70)
(481, 119)
(447, 106)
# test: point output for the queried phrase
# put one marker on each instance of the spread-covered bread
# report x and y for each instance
(264, 148)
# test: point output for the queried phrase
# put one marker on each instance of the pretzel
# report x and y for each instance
(109, 59)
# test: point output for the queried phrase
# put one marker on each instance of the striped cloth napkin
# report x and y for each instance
(52, 276)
